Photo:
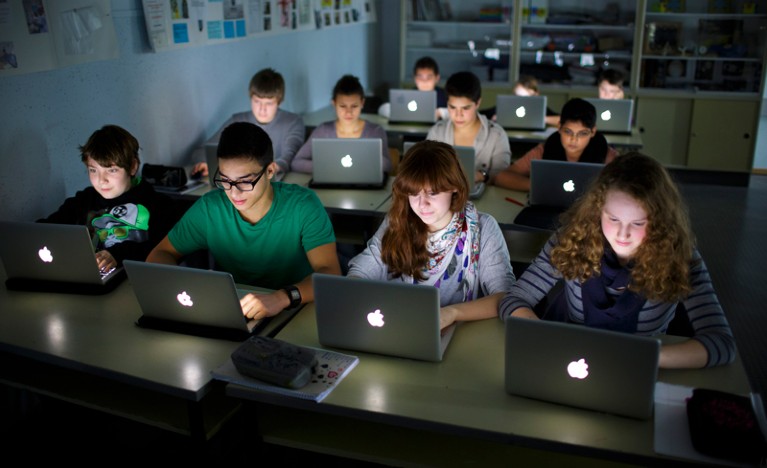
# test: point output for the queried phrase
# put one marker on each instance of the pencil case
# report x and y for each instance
(275, 361)
(724, 425)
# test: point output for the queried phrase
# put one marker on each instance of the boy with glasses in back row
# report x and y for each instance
(265, 233)
(576, 141)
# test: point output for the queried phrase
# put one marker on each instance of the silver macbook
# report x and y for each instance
(559, 183)
(53, 257)
(412, 106)
(521, 112)
(347, 163)
(613, 115)
(581, 366)
(189, 300)
(467, 156)
(382, 317)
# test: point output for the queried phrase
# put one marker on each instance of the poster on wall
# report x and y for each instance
(173, 24)
(39, 35)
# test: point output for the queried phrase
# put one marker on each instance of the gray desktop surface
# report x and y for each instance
(463, 396)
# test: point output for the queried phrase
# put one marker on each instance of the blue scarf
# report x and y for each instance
(603, 310)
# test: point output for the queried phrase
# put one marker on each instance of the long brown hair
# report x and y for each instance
(429, 164)
(661, 265)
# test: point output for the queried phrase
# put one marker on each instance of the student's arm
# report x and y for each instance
(303, 160)
(500, 157)
(611, 154)
(368, 264)
(690, 354)
(293, 139)
(478, 309)
(517, 175)
(323, 259)
(164, 252)
(552, 120)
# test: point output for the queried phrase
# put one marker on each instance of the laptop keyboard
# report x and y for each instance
(105, 273)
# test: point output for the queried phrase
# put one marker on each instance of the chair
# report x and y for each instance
(394, 155)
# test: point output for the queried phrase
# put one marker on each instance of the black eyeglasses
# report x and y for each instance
(242, 185)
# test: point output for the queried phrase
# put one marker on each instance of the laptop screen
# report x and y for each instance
(410, 105)
(521, 112)
(347, 161)
(613, 115)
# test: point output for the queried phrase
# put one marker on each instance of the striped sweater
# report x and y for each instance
(705, 313)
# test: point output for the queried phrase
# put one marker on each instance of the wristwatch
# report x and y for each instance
(485, 175)
(294, 295)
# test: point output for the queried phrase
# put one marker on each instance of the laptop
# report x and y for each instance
(466, 155)
(554, 186)
(347, 163)
(613, 115)
(580, 366)
(53, 258)
(521, 112)
(192, 301)
(382, 317)
(412, 106)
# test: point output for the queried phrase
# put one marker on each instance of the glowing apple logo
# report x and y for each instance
(375, 318)
(412, 106)
(606, 115)
(346, 161)
(578, 369)
(569, 186)
(521, 111)
(45, 255)
(185, 299)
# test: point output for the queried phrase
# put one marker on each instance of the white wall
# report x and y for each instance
(171, 101)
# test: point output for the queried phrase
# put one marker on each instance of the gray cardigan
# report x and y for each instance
(495, 272)
(493, 153)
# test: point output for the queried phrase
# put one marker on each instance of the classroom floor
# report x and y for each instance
(731, 226)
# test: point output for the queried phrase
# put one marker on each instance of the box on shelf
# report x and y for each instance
(535, 11)
(668, 6)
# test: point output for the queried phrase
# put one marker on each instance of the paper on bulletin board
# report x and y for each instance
(40, 35)
(173, 24)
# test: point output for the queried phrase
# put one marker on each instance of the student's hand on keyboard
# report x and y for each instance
(447, 316)
(258, 306)
(105, 260)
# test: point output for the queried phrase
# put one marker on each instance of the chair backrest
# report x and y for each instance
(394, 155)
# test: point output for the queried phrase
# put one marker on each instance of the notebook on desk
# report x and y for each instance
(580, 366)
(554, 186)
(412, 106)
(467, 157)
(190, 300)
(347, 163)
(521, 112)
(383, 317)
(613, 115)
(53, 258)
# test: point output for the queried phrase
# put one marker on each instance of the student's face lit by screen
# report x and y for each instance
(610, 91)
(624, 223)
(264, 109)
(110, 182)
(463, 111)
(575, 138)
(520, 90)
(348, 107)
(244, 170)
(425, 79)
(433, 208)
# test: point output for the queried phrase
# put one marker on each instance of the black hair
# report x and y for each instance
(613, 76)
(245, 140)
(579, 110)
(348, 85)
(464, 84)
(426, 62)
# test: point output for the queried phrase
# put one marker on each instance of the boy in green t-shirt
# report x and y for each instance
(264, 233)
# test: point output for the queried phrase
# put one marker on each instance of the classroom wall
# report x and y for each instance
(171, 101)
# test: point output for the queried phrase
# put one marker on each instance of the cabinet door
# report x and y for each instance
(664, 124)
(722, 135)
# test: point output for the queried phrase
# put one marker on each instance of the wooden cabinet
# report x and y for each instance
(664, 124)
(722, 134)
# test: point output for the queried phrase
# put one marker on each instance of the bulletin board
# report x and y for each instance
(173, 24)
(39, 35)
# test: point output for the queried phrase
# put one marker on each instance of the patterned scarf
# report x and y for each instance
(454, 253)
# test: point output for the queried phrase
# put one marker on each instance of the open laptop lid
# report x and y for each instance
(581, 366)
(382, 317)
(559, 183)
(467, 157)
(613, 115)
(189, 300)
(347, 163)
(412, 106)
(53, 258)
(521, 112)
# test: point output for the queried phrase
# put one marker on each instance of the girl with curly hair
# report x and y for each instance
(434, 235)
(627, 257)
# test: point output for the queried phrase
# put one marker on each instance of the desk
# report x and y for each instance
(417, 131)
(400, 411)
(87, 350)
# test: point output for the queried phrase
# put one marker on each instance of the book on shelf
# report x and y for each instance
(331, 368)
